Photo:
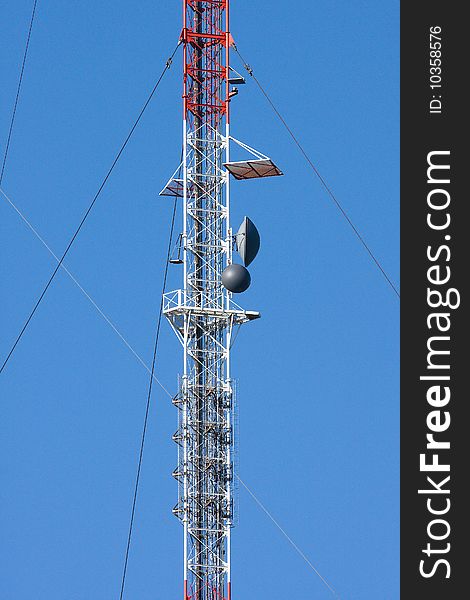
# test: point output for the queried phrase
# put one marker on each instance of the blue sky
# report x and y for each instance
(318, 374)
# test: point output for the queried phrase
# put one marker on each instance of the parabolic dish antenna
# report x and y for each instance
(247, 241)
(236, 278)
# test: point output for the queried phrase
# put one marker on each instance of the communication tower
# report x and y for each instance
(203, 313)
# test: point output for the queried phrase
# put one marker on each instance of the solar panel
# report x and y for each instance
(253, 169)
(173, 188)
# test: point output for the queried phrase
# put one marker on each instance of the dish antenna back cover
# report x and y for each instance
(248, 241)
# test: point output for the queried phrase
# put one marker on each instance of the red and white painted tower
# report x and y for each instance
(203, 313)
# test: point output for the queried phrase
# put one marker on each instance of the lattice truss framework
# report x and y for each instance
(202, 313)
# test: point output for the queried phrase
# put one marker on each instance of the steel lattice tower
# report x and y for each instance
(203, 313)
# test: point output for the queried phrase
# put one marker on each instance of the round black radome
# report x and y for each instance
(236, 278)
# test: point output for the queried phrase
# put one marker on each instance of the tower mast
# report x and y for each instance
(202, 313)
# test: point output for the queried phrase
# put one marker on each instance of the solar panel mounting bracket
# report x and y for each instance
(259, 167)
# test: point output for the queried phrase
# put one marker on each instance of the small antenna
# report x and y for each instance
(176, 255)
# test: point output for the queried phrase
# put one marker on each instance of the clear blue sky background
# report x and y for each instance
(318, 373)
